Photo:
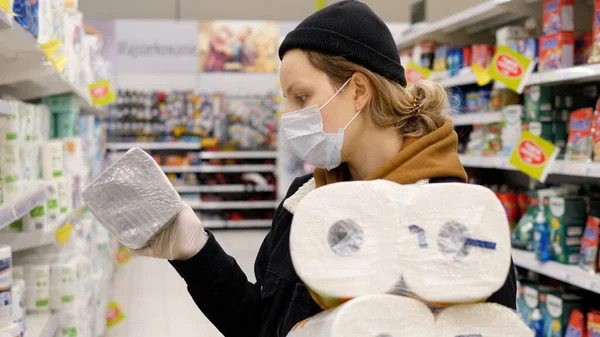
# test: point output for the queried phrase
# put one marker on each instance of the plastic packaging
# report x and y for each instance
(579, 146)
(37, 282)
(18, 308)
(5, 285)
(133, 199)
(541, 238)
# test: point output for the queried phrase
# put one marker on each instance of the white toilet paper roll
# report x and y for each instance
(63, 285)
(481, 320)
(457, 246)
(6, 298)
(52, 159)
(18, 308)
(37, 282)
(344, 239)
(371, 316)
(124, 201)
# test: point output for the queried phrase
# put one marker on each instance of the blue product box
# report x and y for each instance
(530, 49)
(472, 101)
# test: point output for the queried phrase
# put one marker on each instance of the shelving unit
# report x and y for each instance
(13, 211)
(219, 205)
(561, 167)
(28, 240)
(236, 224)
(41, 325)
(154, 146)
(238, 155)
(477, 118)
(26, 74)
(218, 168)
(224, 189)
(570, 274)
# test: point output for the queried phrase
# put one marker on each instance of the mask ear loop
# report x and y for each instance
(352, 120)
(334, 95)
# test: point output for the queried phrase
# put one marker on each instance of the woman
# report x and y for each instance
(351, 116)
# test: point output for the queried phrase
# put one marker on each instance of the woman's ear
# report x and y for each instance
(362, 90)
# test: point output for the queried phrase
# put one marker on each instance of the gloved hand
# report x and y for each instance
(181, 240)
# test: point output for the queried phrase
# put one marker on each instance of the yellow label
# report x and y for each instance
(114, 314)
(320, 4)
(209, 142)
(122, 256)
(534, 156)
(51, 47)
(416, 73)
(59, 63)
(101, 93)
(481, 75)
(4, 4)
(510, 68)
(63, 233)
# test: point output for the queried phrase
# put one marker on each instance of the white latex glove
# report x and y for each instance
(181, 240)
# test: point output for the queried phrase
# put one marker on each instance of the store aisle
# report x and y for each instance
(154, 298)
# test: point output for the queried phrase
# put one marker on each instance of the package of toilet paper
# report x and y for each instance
(370, 316)
(441, 243)
(455, 243)
(345, 238)
(133, 199)
(481, 320)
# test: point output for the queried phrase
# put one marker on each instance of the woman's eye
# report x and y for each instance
(301, 98)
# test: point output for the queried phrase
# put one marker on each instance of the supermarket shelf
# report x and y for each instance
(41, 325)
(154, 146)
(236, 223)
(27, 240)
(239, 155)
(26, 74)
(477, 118)
(217, 205)
(15, 210)
(561, 167)
(570, 274)
(471, 25)
(466, 78)
(218, 168)
(225, 188)
(589, 72)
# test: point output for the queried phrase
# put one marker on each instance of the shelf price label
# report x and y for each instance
(416, 73)
(122, 256)
(101, 93)
(481, 75)
(114, 315)
(534, 156)
(51, 47)
(510, 68)
(63, 233)
(59, 63)
(6, 6)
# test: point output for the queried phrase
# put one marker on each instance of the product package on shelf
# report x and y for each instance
(557, 51)
(558, 16)
(580, 144)
(595, 50)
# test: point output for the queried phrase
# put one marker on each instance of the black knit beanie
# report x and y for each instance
(352, 30)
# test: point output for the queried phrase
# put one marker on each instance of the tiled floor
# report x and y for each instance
(154, 298)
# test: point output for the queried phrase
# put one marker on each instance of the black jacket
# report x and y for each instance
(278, 300)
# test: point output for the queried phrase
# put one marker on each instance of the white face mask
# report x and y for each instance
(303, 129)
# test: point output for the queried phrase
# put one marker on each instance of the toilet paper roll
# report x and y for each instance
(456, 246)
(52, 159)
(18, 308)
(6, 297)
(481, 320)
(371, 316)
(37, 282)
(344, 240)
(127, 204)
(63, 285)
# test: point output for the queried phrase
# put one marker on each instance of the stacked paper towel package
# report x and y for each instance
(382, 259)
(72, 281)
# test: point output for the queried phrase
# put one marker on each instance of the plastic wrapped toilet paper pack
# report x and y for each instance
(455, 243)
(481, 320)
(133, 199)
(371, 316)
(344, 240)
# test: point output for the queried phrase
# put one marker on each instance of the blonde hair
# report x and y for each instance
(415, 112)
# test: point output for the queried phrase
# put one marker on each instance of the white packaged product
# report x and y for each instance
(53, 165)
(420, 251)
(30, 161)
(5, 285)
(18, 272)
(37, 282)
(65, 195)
(37, 219)
(18, 307)
(12, 330)
(133, 199)
(27, 112)
(10, 125)
(466, 231)
(63, 285)
(370, 316)
(68, 323)
(52, 205)
(10, 161)
(333, 251)
(483, 319)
